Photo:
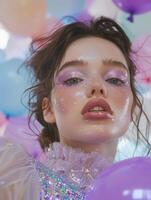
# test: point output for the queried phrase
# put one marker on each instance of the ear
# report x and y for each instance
(48, 113)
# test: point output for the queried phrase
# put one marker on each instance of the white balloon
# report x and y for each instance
(17, 47)
(105, 8)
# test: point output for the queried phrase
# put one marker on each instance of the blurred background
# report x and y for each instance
(21, 21)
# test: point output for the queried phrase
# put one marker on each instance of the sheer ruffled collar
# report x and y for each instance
(76, 166)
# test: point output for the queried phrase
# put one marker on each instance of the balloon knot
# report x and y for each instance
(130, 18)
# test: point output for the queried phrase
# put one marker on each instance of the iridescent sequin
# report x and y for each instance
(55, 187)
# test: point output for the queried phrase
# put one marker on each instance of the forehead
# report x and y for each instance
(91, 49)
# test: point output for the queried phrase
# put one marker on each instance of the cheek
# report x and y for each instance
(123, 100)
(65, 98)
(122, 105)
(121, 96)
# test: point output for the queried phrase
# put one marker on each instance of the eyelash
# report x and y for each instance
(71, 79)
(120, 82)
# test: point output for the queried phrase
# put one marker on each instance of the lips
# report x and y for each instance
(105, 114)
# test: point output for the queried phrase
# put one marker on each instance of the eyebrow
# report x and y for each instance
(110, 62)
(106, 62)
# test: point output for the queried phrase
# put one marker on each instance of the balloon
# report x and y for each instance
(24, 17)
(13, 82)
(2, 56)
(97, 8)
(125, 180)
(143, 88)
(61, 8)
(17, 47)
(84, 16)
(18, 130)
(51, 24)
(4, 37)
(68, 20)
(133, 7)
(138, 28)
(3, 119)
(141, 55)
(3, 123)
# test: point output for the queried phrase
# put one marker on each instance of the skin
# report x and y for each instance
(94, 68)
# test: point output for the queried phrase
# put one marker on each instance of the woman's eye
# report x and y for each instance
(72, 81)
(116, 81)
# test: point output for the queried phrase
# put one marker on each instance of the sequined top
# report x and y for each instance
(65, 174)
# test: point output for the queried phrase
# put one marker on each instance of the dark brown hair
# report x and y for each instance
(46, 55)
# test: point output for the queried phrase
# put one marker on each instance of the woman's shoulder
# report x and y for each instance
(23, 178)
(18, 176)
(12, 153)
(6, 144)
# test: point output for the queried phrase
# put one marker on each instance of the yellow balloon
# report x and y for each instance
(23, 17)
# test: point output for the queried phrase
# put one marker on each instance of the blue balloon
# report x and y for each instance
(14, 79)
(68, 20)
(143, 88)
(2, 56)
(60, 8)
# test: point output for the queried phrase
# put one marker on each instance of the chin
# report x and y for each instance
(97, 139)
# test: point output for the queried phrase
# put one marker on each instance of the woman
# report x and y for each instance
(85, 98)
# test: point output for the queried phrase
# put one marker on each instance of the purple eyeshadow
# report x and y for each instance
(67, 75)
(117, 74)
(70, 73)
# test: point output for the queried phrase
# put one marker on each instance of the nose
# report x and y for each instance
(97, 89)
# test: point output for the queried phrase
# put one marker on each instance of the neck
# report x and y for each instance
(107, 149)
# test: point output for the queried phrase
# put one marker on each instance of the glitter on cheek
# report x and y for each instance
(63, 99)
(123, 99)
(120, 94)
(126, 109)
(80, 94)
(57, 99)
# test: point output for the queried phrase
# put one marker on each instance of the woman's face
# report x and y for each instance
(92, 68)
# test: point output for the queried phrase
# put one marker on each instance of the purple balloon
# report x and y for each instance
(133, 6)
(125, 180)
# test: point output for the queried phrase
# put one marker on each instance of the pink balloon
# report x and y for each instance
(3, 119)
(51, 24)
(24, 17)
(141, 55)
(133, 6)
(126, 180)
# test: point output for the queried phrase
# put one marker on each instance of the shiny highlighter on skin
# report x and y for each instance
(91, 69)
(71, 78)
(74, 78)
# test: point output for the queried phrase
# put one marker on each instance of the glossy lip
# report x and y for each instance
(106, 114)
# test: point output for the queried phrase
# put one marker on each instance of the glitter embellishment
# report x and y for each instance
(74, 165)
(55, 187)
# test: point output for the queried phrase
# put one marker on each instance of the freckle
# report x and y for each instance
(61, 105)
(62, 109)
